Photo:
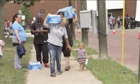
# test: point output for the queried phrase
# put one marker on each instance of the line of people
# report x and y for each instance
(49, 40)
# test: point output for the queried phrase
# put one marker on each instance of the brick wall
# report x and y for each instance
(50, 6)
(116, 12)
(131, 7)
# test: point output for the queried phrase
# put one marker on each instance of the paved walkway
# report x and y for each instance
(74, 76)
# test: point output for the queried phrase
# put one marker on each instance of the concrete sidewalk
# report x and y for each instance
(74, 76)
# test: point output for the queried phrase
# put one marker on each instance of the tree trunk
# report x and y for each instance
(2, 19)
(103, 51)
(84, 30)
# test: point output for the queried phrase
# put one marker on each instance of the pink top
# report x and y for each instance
(81, 53)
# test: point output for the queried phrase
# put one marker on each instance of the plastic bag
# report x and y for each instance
(86, 61)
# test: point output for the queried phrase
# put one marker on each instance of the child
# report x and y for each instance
(81, 56)
(2, 43)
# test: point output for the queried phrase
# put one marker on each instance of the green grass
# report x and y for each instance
(27, 30)
(108, 71)
(8, 75)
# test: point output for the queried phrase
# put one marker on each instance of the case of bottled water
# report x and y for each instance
(34, 66)
(53, 19)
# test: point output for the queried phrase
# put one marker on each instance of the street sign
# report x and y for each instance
(23, 17)
(20, 12)
(42, 11)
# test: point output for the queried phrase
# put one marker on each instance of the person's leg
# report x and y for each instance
(67, 59)
(52, 53)
(83, 65)
(17, 60)
(38, 52)
(67, 54)
(45, 54)
(80, 66)
(0, 57)
(58, 58)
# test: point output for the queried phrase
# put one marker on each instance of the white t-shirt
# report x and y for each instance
(2, 43)
(56, 34)
(0, 50)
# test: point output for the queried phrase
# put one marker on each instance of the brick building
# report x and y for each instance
(50, 6)
(130, 9)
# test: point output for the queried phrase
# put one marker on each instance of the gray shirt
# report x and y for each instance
(56, 34)
(81, 53)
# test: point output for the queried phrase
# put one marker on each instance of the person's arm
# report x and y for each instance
(32, 28)
(86, 54)
(45, 23)
(66, 39)
(74, 49)
(17, 35)
(40, 31)
(45, 20)
(67, 43)
(37, 31)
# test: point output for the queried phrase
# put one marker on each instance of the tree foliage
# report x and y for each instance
(1, 19)
(2, 2)
(26, 11)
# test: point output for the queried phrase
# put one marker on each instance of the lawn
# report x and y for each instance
(8, 75)
(107, 70)
(27, 30)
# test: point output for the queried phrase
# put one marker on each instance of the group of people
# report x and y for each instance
(112, 22)
(130, 22)
(50, 40)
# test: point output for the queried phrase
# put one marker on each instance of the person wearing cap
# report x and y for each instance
(57, 32)
(40, 40)
(65, 50)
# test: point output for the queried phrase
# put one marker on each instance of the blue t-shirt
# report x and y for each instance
(22, 34)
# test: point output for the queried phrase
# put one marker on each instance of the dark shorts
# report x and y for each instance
(66, 51)
(0, 56)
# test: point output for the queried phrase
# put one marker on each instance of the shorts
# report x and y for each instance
(0, 56)
(66, 51)
(81, 60)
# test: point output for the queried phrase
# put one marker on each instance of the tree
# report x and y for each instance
(103, 51)
(2, 2)
(26, 11)
(84, 30)
(1, 19)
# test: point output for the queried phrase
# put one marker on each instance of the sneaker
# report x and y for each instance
(59, 73)
(46, 65)
(67, 68)
(53, 75)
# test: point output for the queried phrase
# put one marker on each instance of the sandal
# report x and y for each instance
(67, 68)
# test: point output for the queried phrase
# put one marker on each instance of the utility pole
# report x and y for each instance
(84, 30)
(102, 34)
(71, 23)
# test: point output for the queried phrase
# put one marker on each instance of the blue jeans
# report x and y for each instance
(55, 54)
(0, 56)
